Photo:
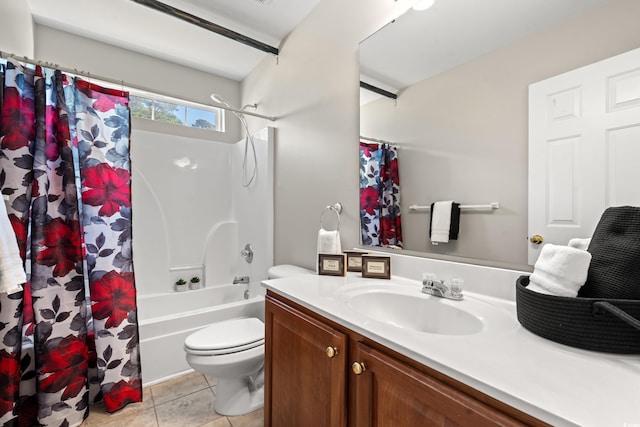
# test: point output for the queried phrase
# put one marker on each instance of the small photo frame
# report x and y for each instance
(354, 260)
(376, 267)
(332, 264)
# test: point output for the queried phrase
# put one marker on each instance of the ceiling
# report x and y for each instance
(135, 27)
(421, 44)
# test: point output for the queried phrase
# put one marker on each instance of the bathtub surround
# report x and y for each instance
(205, 240)
(65, 170)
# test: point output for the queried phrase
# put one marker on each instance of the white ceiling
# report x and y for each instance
(132, 26)
(421, 44)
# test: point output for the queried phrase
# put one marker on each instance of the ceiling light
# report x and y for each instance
(423, 4)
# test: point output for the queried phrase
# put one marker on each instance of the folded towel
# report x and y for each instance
(444, 222)
(328, 243)
(12, 274)
(580, 243)
(560, 270)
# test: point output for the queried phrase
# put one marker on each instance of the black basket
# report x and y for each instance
(607, 325)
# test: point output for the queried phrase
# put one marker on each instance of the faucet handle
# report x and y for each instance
(455, 286)
(428, 278)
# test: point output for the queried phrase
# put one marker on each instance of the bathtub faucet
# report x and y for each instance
(241, 279)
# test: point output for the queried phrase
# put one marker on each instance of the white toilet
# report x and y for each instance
(233, 352)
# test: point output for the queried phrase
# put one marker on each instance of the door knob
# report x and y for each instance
(536, 240)
(331, 352)
(358, 367)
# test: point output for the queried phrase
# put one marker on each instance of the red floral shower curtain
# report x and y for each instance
(71, 337)
(380, 221)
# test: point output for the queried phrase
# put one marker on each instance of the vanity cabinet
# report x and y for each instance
(305, 370)
(318, 373)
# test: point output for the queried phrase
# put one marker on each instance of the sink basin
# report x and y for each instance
(406, 307)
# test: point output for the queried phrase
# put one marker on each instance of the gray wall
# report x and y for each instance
(16, 28)
(463, 134)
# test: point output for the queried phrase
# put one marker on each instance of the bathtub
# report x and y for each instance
(162, 335)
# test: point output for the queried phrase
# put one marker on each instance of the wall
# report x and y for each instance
(463, 133)
(16, 28)
(313, 89)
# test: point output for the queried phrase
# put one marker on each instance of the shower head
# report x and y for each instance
(219, 99)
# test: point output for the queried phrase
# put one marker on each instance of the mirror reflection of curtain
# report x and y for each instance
(380, 222)
(71, 336)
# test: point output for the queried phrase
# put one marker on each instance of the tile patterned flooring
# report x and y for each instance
(186, 401)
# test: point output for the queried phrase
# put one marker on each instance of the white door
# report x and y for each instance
(584, 148)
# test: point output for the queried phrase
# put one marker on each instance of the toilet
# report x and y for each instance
(287, 270)
(232, 351)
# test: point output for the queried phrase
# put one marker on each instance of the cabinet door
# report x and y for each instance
(305, 370)
(391, 393)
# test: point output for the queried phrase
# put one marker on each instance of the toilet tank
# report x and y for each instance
(287, 270)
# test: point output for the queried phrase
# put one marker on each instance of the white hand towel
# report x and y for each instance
(329, 242)
(560, 270)
(441, 222)
(12, 274)
(580, 243)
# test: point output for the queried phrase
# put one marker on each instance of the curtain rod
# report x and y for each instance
(122, 83)
(207, 25)
(378, 90)
(377, 140)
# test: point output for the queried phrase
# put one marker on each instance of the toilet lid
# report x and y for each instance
(237, 334)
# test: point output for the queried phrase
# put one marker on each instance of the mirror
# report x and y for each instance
(461, 72)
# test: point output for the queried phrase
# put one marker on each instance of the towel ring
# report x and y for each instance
(337, 208)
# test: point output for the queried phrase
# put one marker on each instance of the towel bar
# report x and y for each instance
(488, 207)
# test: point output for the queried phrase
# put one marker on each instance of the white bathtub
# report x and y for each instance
(162, 335)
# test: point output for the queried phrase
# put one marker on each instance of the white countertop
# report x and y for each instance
(560, 385)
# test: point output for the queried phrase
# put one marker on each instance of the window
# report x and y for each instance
(170, 110)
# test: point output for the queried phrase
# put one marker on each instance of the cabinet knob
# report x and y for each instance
(536, 240)
(358, 367)
(331, 352)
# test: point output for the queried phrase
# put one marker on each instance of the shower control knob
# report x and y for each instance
(358, 368)
(331, 352)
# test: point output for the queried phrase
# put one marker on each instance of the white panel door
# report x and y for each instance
(584, 148)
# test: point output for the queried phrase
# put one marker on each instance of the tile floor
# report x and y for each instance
(186, 401)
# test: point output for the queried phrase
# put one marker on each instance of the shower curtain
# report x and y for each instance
(380, 222)
(70, 337)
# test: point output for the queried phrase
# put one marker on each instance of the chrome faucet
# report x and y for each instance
(440, 289)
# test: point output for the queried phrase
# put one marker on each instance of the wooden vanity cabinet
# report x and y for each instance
(388, 392)
(363, 384)
(305, 370)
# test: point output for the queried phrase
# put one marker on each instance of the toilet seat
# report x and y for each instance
(229, 336)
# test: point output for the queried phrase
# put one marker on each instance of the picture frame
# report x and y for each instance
(354, 260)
(332, 264)
(376, 267)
